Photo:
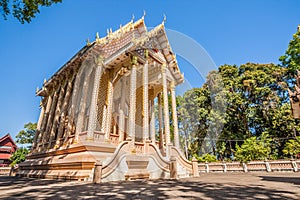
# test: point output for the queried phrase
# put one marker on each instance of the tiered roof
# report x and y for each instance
(127, 38)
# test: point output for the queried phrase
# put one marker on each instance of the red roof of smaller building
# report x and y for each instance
(7, 147)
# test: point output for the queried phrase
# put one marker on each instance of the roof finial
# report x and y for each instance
(144, 14)
(97, 37)
(110, 30)
(165, 19)
(132, 18)
(45, 80)
(88, 43)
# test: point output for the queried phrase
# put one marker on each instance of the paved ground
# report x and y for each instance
(207, 186)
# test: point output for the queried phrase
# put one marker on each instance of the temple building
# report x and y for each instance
(7, 148)
(105, 114)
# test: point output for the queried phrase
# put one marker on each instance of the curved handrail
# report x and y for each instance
(159, 159)
(116, 157)
(157, 151)
(182, 160)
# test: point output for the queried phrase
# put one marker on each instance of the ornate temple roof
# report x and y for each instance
(132, 36)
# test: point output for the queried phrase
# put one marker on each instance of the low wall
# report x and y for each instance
(268, 166)
(4, 171)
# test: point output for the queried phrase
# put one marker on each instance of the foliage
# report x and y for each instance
(18, 156)
(291, 58)
(254, 148)
(24, 10)
(292, 147)
(26, 136)
(206, 158)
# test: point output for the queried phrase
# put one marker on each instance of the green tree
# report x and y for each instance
(193, 111)
(292, 147)
(291, 58)
(206, 158)
(254, 148)
(26, 136)
(24, 10)
(19, 156)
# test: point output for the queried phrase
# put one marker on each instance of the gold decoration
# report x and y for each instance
(164, 20)
(97, 38)
(88, 43)
(134, 60)
(146, 53)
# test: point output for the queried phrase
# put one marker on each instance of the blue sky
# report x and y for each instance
(231, 32)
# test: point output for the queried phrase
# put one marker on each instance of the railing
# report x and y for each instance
(4, 170)
(253, 166)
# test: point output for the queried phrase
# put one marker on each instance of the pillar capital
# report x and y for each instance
(99, 60)
(134, 61)
(146, 53)
(164, 68)
(172, 85)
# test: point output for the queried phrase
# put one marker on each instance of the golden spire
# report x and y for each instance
(97, 37)
(164, 20)
(88, 43)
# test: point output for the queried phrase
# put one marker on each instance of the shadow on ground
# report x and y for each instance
(25, 188)
(295, 180)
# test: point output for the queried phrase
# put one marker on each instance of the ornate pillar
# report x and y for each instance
(93, 110)
(56, 115)
(103, 129)
(110, 95)
(64, 110)
(83, 99)
(145, 103)
(174, 114)
(160, 122)
(132, 100)
(166, 105)
(71, 128)
(152, 122)
(51, 116)
(45, 120)
(121, 111)
(38, 128)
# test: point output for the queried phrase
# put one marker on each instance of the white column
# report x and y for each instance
(152, 122)
(56, 116)
(64, 110)
(132, 100)
(103, 129)
(109, 109)
(166, 105)
(83, 102)
(45, 120)
(93, 108)
(38, 128)
(121, 111)
(174, 114)
(145, 103)
(51, 116)
(160, 122)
